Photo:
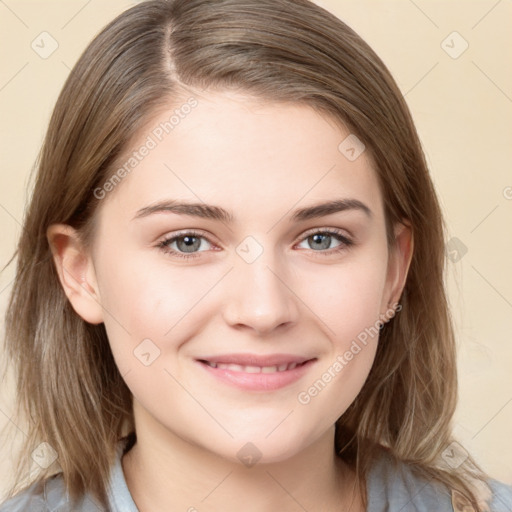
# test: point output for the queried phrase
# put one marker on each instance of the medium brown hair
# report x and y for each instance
(69, 388)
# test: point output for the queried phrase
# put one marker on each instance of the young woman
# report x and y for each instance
(229, 290)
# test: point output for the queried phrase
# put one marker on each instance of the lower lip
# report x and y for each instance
(259, 381)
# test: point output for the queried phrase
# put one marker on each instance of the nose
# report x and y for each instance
(260, 297)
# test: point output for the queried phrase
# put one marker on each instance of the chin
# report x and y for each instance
(261, 450)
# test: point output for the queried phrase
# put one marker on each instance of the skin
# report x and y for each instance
(265, 160)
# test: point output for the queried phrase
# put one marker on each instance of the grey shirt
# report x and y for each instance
(390, 488)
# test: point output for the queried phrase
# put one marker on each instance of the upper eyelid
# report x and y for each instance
(185, 232)
(325, 229)
(199, 233)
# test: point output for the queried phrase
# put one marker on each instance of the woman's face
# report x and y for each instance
(268, 277)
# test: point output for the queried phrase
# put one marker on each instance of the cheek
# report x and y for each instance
(347, 298)
(155, 302)
(348, 301)
(131, 297)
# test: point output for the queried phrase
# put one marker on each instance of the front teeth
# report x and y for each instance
(253, 369)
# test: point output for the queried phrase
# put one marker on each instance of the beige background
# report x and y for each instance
(463, 110)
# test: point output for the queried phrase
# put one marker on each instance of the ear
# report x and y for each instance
(76, 272)
(398, 265)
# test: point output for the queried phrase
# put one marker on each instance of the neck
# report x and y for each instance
(166, 472)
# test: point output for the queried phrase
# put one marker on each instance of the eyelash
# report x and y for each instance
(345, 242)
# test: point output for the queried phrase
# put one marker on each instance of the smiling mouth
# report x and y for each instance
(251, 372)
(254, 369)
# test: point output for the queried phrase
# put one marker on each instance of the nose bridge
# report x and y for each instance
(260, 298)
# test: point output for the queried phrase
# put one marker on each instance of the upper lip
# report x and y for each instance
(256, 360)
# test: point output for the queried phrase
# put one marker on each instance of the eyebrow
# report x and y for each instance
(207, 211)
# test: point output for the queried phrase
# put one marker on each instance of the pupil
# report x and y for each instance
(189, 243)
(321, 240)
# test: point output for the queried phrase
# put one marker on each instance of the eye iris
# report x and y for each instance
(322, 244)
(190, 245)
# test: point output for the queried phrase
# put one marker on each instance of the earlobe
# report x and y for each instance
(76, 272)
(399, 262)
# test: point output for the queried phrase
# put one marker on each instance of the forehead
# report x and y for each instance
(245, 154)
